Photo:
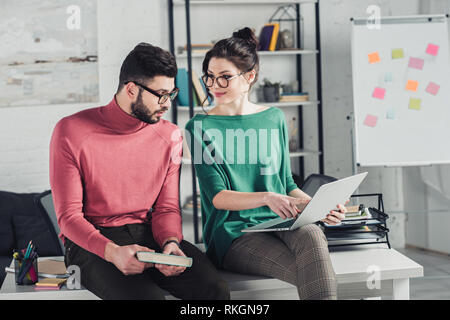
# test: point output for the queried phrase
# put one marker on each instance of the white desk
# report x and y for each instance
(353, 266)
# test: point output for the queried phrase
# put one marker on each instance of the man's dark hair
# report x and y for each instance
(145, 62)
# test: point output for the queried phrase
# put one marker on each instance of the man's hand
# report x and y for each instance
(124, 258)
(169, 271)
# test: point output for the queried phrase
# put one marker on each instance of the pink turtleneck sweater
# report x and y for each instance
(108, 168)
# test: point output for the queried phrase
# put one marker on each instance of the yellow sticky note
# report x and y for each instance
(414, 103)
(397, 53)
(374, 57)
(412, 85)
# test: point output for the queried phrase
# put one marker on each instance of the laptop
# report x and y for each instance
(327, 197)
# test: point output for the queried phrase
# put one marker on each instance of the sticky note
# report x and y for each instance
(416, 63)
(397, 53)
(433, 88)
(390, 114)
(414, 103)
(374, 57)
(379, 93)
(412, 85)
(371, 120)
(432, 49)
(388, 77)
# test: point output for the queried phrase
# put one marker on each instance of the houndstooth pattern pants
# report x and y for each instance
(300, 257)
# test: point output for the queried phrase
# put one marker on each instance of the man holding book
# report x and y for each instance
(114, 174)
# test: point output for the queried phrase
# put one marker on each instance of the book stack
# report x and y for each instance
(199, 92)
(360, 226)
(294, 97)
(50, 284)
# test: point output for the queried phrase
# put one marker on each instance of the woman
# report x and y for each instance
(241, 156)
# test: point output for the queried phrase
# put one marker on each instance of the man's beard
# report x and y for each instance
(140, 111)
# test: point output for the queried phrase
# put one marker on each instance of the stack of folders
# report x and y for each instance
(360, 226)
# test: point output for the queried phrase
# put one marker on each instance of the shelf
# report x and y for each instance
(304, 153)
(219, 2)
(260, 53)
(296, 154)
(269, 104)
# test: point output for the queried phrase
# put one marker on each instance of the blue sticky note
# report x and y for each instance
(390, 114)
(388, 77)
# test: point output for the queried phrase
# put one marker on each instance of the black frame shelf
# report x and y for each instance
(378, 233)
(298, 53)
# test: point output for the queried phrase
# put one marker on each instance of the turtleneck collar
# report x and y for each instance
(120, 121)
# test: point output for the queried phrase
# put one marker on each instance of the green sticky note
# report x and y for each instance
(390, 114)
(388, 77)
(397, 53)
(414, 103)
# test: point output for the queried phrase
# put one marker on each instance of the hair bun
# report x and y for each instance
(246, 34)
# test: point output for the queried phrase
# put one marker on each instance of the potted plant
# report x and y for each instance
(271, 91)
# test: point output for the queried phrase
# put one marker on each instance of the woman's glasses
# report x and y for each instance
(162, 97)
(222, 81)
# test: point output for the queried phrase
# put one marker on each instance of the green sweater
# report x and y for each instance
(245, 153)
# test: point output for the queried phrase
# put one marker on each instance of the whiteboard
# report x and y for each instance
(401, 91)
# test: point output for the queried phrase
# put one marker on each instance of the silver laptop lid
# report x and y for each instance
(327, 198)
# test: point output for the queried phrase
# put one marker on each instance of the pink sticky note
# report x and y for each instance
(371, 121)
(379, 93)
(432, 49)
(416, 63)
(433, 88)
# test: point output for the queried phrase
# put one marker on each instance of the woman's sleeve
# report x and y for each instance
(211, 177)
(290, 184)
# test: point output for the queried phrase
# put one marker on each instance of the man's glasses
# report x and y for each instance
(222, 81)
(162, 97)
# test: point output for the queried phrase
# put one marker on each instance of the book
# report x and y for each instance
(274, 38)
(51, 282)
(294, 97)
(197, 84)
(181, 81)
(265, 37)
(169, 259)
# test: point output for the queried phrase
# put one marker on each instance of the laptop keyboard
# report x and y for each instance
(284, 224)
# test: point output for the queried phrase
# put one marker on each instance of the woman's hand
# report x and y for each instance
(285, 206)
(336, 216)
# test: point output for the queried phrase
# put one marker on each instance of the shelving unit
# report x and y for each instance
(188, 57)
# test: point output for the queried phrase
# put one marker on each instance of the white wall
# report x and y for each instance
(428, 218)
(25, 131)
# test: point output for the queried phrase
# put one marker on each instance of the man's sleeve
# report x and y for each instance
(166, 215)
(67, 190)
